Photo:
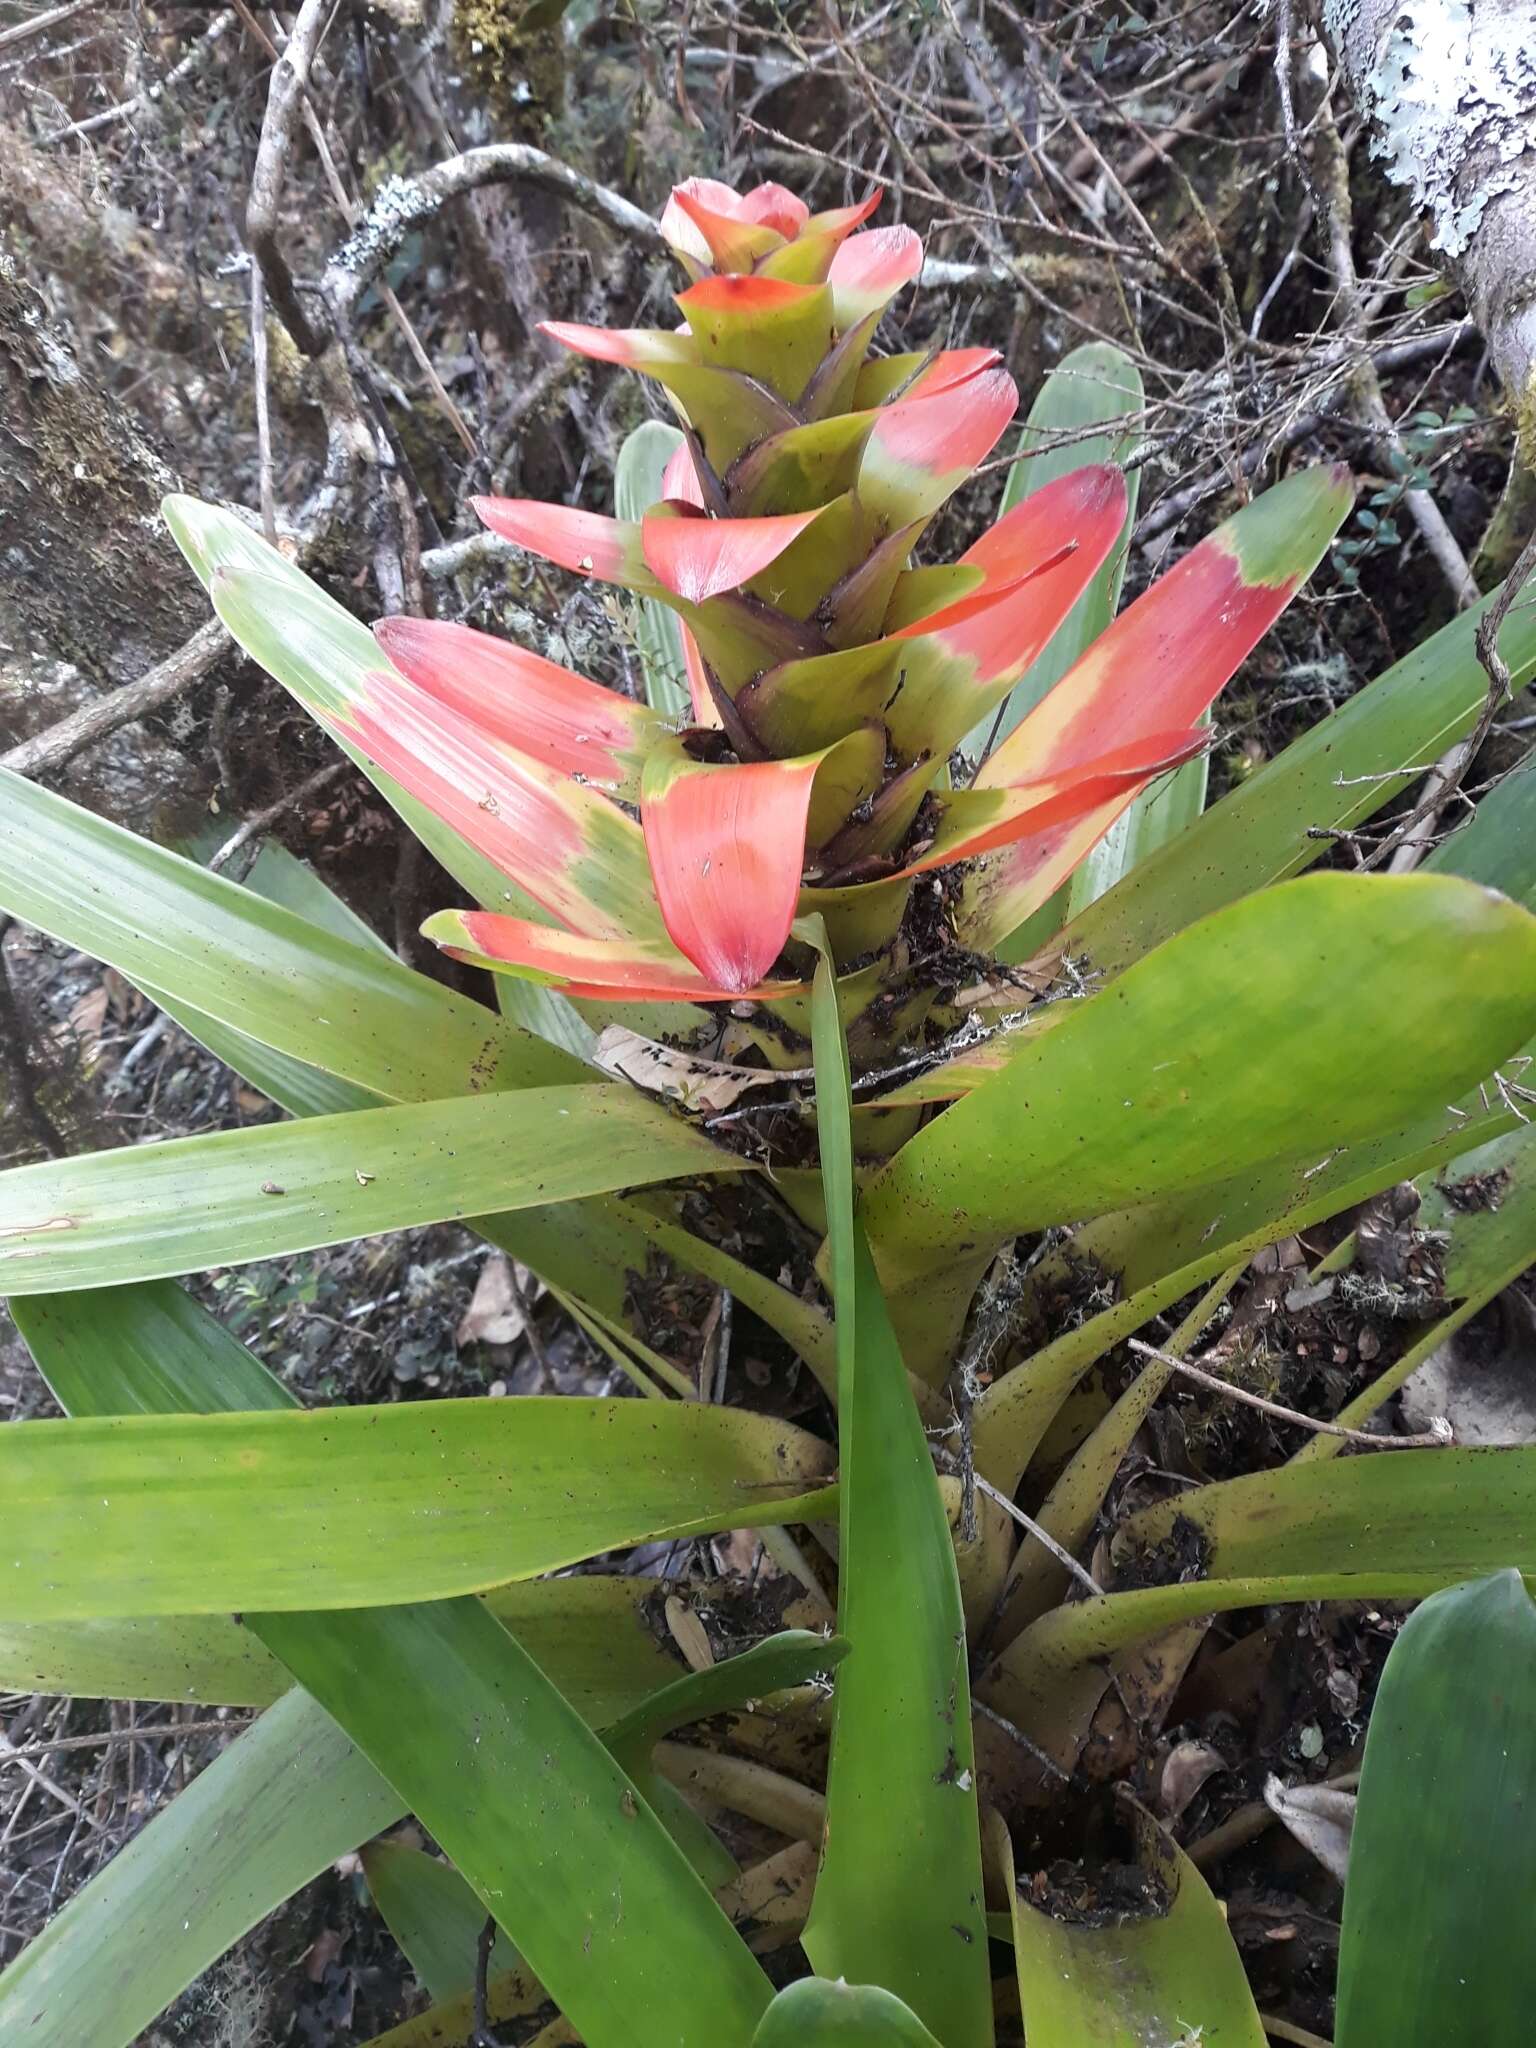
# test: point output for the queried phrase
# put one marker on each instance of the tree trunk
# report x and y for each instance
(1450, 89)
(88, 564)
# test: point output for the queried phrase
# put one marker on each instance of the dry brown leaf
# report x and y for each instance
(689, 1634)
(89, 1014)
(1185, 1770)
(493, 1315)
(662, 1070)
(1321, 1817)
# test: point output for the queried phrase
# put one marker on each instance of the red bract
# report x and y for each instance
(834, 660)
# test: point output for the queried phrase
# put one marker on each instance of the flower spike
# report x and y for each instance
(835, 658)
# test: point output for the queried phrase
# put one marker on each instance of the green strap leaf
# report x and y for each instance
(1172, 1977)
(203, 1658)
(1393, 1525)
(147, 1211)
(817, 2014)
(791, 1658)
(1218, 1051)
(590, 1633)
(372, 1505)
(280, 877)
(1497, 845)
(132, 1349)
(899, 1899)
(537, 1816)
(432, 1913)
(1436, 1943)
(337, 1002)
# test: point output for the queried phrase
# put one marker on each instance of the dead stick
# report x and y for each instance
(242, 834)
(1432, 1440)
(96, 721)
(482, 2036)
(39, 25)
(290, 80)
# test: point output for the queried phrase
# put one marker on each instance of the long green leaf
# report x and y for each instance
(282, 1802)
(899, 1899)
(431, 1912)
(1436, 1944)
(147, 1211)
(1403, 1511)
(791, 1658)
(371, 1505)
(1339, 772)
(198, 1657)
(1168, 1978)
(1219, 1051)
(1396, 1525)
(539, 1819)
(816, 2013)
(590, 1633)
(280, 877)
(1497, 845)
(658, 630)
(293, 1084)
(338, 1003)
(153, 1349)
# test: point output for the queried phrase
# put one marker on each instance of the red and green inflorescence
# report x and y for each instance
(832, 670)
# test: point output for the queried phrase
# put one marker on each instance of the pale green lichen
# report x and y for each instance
(1451, 110)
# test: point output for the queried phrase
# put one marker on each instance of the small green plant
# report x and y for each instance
(877, 1010)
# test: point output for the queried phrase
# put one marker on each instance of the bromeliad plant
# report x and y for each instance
(831, 676)
(796, 867)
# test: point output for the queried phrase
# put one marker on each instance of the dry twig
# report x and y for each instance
(95, 721)
(1431, 1440)
(285, 94)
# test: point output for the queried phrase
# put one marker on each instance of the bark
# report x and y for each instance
(88, 568)
(101, 264)
(1450, 89)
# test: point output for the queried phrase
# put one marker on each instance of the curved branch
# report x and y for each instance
(401, 203)
(290, 82)
(103, 715)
